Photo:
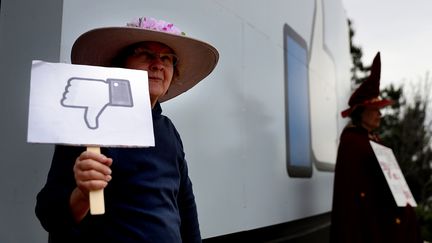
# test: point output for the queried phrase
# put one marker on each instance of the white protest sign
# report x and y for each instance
(393, 174)
(89, 105)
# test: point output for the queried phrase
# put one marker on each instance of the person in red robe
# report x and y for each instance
(364, 210)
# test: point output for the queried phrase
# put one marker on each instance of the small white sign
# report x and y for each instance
(393, 174)
(89, 105)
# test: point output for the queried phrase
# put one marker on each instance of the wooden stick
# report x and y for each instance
(97, 203)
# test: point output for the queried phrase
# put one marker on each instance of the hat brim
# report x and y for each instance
(376, 104)
(197, 59)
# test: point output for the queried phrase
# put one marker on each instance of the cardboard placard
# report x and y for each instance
(89, 105)
(393, 174)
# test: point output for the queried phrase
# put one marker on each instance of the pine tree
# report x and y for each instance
(407, 130)
(358, 71)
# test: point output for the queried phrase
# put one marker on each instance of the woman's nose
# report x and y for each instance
(156, 64)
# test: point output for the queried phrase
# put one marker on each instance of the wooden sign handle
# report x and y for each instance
(97, 203)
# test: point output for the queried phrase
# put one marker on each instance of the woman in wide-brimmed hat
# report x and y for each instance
(364, 210)
(150, 197)
(195, 59)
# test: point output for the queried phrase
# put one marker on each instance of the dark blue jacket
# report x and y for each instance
(149, 199)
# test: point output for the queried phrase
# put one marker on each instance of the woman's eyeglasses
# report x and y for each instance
(168, 59)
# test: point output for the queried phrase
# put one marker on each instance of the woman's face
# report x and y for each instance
(370, 118)
(158, 60)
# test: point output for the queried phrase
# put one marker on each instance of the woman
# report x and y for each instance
(364, 209)
(148, 193)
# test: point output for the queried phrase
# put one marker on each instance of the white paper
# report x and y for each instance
(393, 174)
(89, 105)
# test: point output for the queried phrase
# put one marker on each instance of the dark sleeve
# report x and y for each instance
(189, 228)
(52, 205)
(352, 214)
(188, 212)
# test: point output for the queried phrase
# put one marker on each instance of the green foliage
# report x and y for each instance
(406, 130)
(424, 214)
(358, 71)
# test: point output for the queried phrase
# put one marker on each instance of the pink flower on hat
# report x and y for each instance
(154, 24)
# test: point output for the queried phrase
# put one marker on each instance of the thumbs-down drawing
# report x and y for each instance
(94, 95)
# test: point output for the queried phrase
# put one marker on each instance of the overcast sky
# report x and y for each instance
(400, 29)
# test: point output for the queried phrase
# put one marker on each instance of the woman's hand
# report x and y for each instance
(92, 172)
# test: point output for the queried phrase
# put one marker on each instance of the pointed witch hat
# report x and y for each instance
(367, 94)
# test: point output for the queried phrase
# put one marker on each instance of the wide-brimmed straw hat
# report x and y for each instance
(196, 59)
(367, 94)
